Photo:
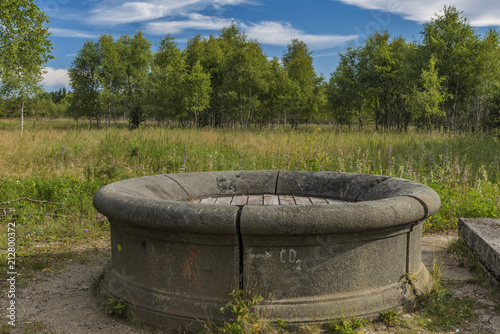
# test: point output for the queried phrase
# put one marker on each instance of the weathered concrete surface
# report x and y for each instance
(396, 187)
(434, 254)
(176, 259)
(199, 185)
(483, 236)
(340, 186)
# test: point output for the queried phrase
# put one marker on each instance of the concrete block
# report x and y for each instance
(483, 236)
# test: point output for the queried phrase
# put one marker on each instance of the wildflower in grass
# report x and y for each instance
(431, 161)
(183, 166)
(140, 167)
(62, 152)
(85, 230)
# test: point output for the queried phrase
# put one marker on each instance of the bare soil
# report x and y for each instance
(66, 301)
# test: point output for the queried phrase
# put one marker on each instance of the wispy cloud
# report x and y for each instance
(58, 32)
(192, 21)
(266, 32)
(481, 13)
(55, 78)
(278, 33)
(111, 13)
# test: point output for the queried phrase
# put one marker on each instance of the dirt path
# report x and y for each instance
(66, 301)
(434, 250)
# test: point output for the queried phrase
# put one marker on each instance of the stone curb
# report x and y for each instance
(483, 236)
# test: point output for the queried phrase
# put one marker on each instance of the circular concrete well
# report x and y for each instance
(315, 245)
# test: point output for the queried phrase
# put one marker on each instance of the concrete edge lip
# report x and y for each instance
(341, 218)
(168, 215)
(148, 202)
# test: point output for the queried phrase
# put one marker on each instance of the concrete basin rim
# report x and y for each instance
(165, 214)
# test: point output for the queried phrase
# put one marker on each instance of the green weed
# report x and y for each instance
(445, 311)
(117, 306)
(243, 317)
(390, 318)
(346, 325)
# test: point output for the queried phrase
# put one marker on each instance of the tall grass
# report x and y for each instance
(62, 162)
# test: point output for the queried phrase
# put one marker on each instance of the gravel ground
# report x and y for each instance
(66, 301)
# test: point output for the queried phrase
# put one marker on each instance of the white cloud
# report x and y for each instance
(277, 33)
(266, 32)
(480, 13)
(56, 78)
(108, 13)
(129, 12)
(194, 21)
(58, 32)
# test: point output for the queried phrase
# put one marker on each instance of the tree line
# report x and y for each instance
(449, 80)
(218, 81)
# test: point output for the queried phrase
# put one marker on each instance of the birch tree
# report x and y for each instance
(24, 49)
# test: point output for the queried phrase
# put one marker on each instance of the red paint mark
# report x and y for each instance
(150, 276)
(190, 261)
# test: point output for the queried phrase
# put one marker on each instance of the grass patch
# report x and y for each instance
(62, 162)
(466, 257)
(445, 312)
(26, 328)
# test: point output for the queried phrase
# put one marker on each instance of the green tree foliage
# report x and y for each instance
(164, 94)
(456, 46)
(136, 53)
(345, 91)
(85, 81)
(381, 65)
(24, 49)
(488, 89)
(449, 80)
(297, 61)
(111, 74)
(277, 99)
(428, 100)
(196, 92)
(110, 77)
(244, 76)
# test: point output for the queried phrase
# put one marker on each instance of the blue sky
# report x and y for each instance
(327, 26)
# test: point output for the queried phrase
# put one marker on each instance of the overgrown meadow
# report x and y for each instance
(63, 164)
